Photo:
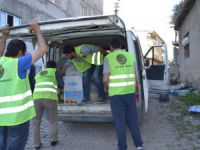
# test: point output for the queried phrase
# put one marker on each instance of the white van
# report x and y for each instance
(97, 30)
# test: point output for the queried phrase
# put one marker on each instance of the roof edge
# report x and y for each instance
(182, 14)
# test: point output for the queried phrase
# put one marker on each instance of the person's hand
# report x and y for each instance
(5, 31)
(104, 52)
(106, 89)
(63, 70)
(34, 26)
(101, 49)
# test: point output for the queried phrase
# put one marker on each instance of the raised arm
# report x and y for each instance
(5, 32)
(41, 41)
(87, 49)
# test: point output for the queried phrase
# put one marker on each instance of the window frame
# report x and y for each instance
(187, 46)
(6, 21)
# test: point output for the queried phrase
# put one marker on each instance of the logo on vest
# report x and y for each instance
(43, 73)
(121, 59)
(1, 71)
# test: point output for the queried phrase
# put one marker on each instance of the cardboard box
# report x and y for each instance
(73, 90)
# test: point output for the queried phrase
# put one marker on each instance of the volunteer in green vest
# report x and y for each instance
(119, 80)
(16, 103)
(46, 98)
(88, 60)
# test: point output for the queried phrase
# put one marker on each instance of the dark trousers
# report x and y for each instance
(97, 73)
(124, 113)
(14, 137)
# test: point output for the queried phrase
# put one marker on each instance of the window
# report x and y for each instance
(2, 19)
(83, 8)
(186, 45)
(187, 51)
(6, 18)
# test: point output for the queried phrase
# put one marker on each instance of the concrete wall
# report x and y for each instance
(45, 10)
(87, 7)
(190, 66)
(28, 10)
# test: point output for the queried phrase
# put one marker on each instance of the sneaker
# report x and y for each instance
(85, 100)
(139, 148)
(38, 147)
(54, 143)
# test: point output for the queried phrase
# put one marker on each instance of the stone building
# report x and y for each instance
(17, 12)
(187, 24)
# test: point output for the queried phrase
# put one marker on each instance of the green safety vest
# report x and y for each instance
(95, 59)
(80, 65)
(16, 104)
(46, 85)
(122, 73)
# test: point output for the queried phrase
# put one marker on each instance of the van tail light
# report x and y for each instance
(136, 92)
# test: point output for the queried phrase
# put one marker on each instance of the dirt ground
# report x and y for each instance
(166, 126)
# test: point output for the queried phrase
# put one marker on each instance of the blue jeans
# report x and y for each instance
(97, 72)
(124, 113)
(14, 137)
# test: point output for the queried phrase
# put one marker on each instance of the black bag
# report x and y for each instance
(164, 97)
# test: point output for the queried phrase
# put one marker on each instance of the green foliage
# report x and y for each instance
(192, 99)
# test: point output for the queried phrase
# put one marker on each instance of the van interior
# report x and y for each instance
(56, 48)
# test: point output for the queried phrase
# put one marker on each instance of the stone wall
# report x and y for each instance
(190, 66)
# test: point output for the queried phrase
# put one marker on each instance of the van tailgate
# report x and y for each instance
(92, 112)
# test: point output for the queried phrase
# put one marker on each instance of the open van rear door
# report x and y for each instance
(156, 63)
(63, 29)
(135, 48)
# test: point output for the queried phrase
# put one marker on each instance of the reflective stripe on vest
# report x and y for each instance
(17, 97)
(45, 90)
(16, 109)
(16, 104)
(122, 74)
(121, 84)
(46, 83)
(96, 58)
